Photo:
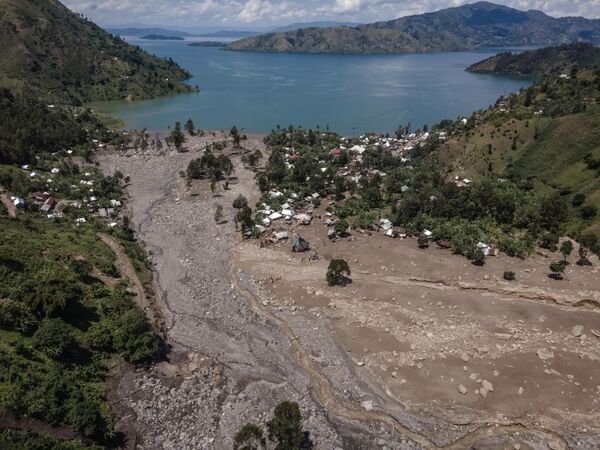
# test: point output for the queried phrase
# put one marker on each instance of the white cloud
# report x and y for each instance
(197, 13)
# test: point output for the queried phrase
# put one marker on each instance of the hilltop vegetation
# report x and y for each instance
(478, 25)
(547, 135)
(48, 51)
(541, 62)
(66, 316)
(65, 312)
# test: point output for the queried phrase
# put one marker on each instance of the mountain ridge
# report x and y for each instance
(472, 26)
(544, 61)
(47, 50)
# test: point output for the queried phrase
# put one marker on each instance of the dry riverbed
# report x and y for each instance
(422, 350)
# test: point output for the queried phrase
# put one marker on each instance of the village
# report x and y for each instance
(282, 215)
(64, 186)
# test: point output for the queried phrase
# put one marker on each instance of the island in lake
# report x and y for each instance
(208, 44)
(160, 37)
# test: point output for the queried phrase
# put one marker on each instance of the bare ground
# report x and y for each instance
(376, 364)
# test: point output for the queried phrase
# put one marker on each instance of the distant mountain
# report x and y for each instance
(46, 50)
(478, 25)
(230, 34)
(299, 25)
(160, 37)
(132, 31)
(545, 61)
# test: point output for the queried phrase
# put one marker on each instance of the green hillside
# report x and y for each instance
(478, 25)
(48, 51)
(548, 134)
(541, 62)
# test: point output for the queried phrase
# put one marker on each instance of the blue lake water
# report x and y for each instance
(350, 94)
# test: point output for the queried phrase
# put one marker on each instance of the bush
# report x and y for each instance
(240, 202)
(509, 275)
(341, 228)
(588, 212)
(338, 273)
(558, 269)
(578, 200)
(478, 257)
(423, 242)
(249, 437)
(54, 338)
(15, 316)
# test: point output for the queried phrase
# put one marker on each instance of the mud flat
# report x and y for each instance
(422, 350)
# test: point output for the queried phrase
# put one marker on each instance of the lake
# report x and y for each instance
(349, 94)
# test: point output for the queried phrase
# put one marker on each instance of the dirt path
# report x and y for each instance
(10, 206)
(127, 271)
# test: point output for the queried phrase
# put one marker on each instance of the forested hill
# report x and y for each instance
(545, 61)
(548, 134)
(471, 26)
(48, 51)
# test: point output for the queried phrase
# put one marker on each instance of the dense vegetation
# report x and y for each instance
(478, 25)
(563, 59)
(48, 51)
(65, 317)
(29, 127)
(546, 135)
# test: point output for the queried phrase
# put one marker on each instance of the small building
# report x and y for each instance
(488, 249)
(444, 243)
(282, 235)
(49, 205)
(19, 202)
(300, 245)
(336, 152)
(106, 212)
(304, 219)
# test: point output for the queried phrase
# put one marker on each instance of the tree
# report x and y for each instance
(177, 137)
(250, 437)
(219, 213)
(338, 273)
(54, 338)
(213, 185)
(588, 212)
(423, 242)
(134, 338)
(341, 228)
(189, 126)
(194, 170)
(244, 218)
(566, 248)
(558, 269)
(509, 275)
(235, 134)
(478, 257)
(285, 428)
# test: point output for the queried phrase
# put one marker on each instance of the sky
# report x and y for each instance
(247, 14)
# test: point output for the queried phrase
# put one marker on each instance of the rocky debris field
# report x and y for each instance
(422, 350)
(228, 364)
